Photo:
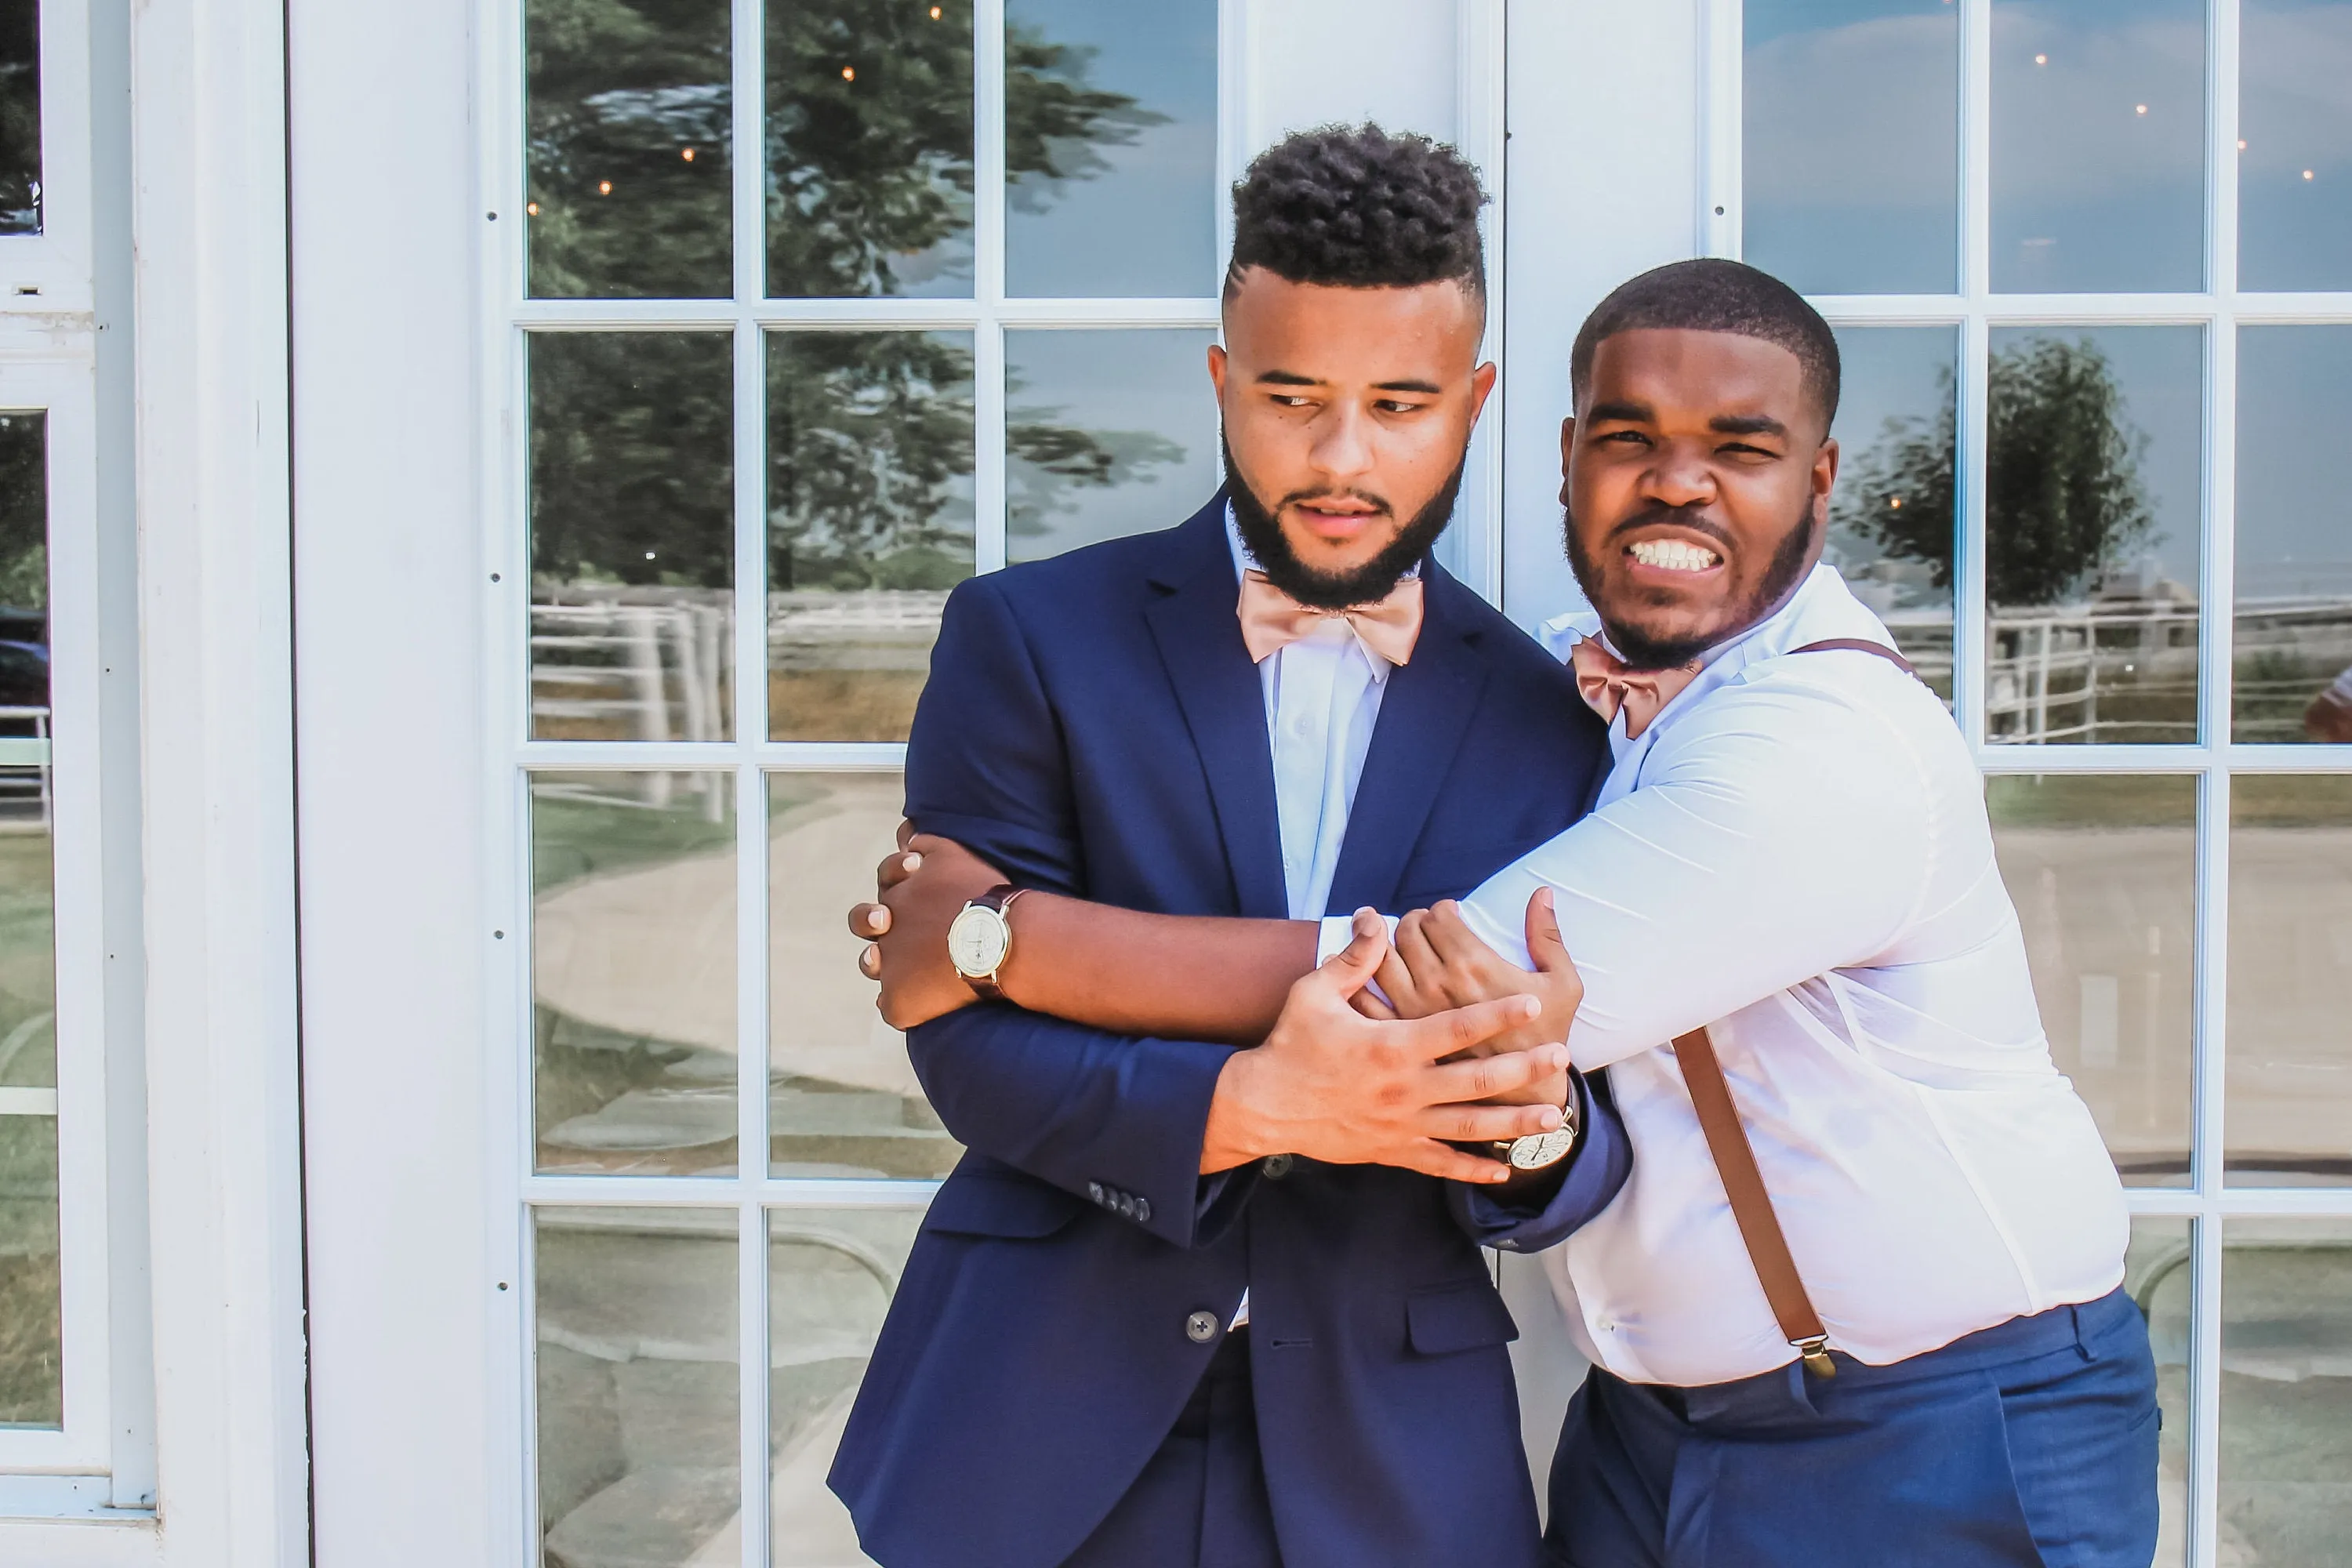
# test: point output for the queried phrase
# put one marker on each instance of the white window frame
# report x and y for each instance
(510, 316)
(2219, 310)
(101, 1462)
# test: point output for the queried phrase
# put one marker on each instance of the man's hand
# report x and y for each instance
(1336, 1086)
(1439, 962)
(920, 890)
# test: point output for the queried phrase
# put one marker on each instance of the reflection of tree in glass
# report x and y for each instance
(2064, 500)
(631, 478)
(20, 118)
(868, 434)
(869, 139)
(1048, 458)
(24, 513)
(628, 148)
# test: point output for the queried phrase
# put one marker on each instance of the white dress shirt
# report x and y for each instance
(1795, 854)
(1322, 698)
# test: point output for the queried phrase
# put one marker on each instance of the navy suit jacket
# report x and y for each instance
(1092, 725)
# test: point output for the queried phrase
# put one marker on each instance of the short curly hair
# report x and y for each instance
(1714, 295)
(1354, 206)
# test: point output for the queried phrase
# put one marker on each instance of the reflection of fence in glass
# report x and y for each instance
(632, 664)
(2289, 647)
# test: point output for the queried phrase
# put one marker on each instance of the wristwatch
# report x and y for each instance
(979, 940)
(1537, 1150)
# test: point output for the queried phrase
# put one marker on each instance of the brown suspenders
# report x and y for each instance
(1735, 1157)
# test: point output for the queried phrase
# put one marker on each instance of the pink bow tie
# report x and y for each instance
(1606, 685)
(1272, 620)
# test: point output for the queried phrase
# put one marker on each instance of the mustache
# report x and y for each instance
(1677, 516)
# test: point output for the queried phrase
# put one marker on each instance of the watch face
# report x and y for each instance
(1537, 1150)
(977, 941)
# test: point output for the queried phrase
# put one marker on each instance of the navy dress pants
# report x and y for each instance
(1201, 1501)
(2029, 1444)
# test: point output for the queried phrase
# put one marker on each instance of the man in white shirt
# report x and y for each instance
(1789, 869)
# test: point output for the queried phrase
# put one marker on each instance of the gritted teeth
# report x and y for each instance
(1673, 555)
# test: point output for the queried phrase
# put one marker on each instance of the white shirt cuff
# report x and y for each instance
(1338, 931)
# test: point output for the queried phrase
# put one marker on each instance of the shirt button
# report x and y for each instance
(1276, 1167)
(1200, 1328)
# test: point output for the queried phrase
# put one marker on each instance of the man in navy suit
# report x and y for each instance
(1207, 1304)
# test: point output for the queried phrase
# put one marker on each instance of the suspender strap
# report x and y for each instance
(1760, 1227)
(1735, 1157)
(1859, 645)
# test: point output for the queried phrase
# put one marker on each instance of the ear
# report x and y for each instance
(1217, 369)
(1824, 477)
(1566, 452)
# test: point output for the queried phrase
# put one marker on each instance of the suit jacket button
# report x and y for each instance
(1200, 1328)
(1126, 1204)
(1095, 1191)
(1142, 1214)
(1276, 1167)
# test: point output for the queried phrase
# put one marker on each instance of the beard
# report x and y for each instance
(1642, 651)
(1261, 532)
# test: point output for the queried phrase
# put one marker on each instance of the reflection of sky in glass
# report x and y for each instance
(1132, 406)
(2294, 115)
(2294, 529)
(2098, 144)
(1145, 223)
(1851, 151)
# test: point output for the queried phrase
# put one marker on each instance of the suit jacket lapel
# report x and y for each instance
(1200, 636)
(1423, 713)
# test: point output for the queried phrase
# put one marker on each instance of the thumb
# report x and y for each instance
(1355, 963)
(1546, 948)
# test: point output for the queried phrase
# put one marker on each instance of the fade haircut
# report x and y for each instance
(1712, 295)
(1352, 206)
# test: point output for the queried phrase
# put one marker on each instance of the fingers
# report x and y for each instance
(1432, 1158)
(1452, 939)
(1355, 963)
(1395, 981)
(1442, 1034)
(869, 962)
(1414, 951)
(1484, 1077)
(1368, 1001)
(906, 832)
(895, 868)
(1487, 1124)
(869, 921)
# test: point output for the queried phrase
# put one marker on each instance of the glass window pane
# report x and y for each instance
(633, 972)
(630, 193)
(2295, 128)
(2103, 872)
(1852, 144)
(32, 1386)
(20, 117)
(869, 523)
(869, 148)
(831, 1274)
(2098, 145)
(2289, 1101)
(842, 1099)
(2157, 1272)
(1110, 147)
(632, 536)
(1110, 433)
(639, 1398)
(2286, 1391)
(2092, 499)
(2290, 676)
(1891, 525)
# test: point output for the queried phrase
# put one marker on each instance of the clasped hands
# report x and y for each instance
(1456, 1045)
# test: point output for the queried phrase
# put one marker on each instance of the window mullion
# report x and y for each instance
(988, 284)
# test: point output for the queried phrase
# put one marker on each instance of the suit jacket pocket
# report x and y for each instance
(1000, 1205)
(1448, 1318)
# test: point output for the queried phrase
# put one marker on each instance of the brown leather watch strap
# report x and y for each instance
(1751, 1206)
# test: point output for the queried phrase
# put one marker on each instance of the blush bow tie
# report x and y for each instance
(1272, 620)
(1606, 685)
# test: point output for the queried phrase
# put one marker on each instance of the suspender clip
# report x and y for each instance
(1815, 1353)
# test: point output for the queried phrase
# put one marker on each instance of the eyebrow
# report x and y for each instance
(1620, 414)
(1285, 378)
(1292, 378)
(1747, 425)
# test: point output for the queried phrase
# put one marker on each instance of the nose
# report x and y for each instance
(1342, 454)
(1681, 476)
